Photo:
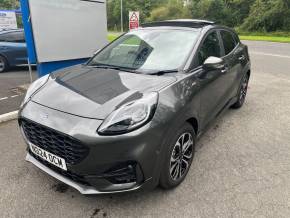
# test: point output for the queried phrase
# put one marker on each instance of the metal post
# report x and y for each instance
(122, 29)
(30, 70)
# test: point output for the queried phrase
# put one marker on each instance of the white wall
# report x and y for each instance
(68, 29)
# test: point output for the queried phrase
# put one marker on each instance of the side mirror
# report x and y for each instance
(213, 63)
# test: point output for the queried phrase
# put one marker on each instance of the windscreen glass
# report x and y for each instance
(148, 50)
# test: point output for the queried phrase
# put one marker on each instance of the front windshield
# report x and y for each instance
(148, 50)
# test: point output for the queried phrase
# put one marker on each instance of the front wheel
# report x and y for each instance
(242, 93)
(3, 64)
(179, 157)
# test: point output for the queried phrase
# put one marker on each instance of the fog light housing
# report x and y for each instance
(129, 172)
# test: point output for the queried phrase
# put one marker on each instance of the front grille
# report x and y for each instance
(68, 174)
(64, 146)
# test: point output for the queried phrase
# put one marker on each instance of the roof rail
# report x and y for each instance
(192, 23)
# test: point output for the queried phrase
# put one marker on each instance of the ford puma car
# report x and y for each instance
(129, 118)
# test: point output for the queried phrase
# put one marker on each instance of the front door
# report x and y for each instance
(211, 81)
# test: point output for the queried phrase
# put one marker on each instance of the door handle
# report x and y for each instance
(242, 58)
(224, 70)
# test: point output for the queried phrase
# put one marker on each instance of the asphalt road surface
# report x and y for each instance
(241, 168)
(10, 96)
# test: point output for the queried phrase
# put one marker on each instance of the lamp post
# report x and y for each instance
(122, 29)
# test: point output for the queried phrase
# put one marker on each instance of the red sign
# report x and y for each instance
(134, 19)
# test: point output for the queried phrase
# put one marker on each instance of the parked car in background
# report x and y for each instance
(13, 51)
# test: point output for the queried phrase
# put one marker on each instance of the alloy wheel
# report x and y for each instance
(244, 89)
(181, 156)
(2, 65)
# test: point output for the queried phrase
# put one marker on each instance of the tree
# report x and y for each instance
(239, 10)
(215, 10)
(9, 4)
(249, 15)
(268, 15)
(144, 6)
(172, 10)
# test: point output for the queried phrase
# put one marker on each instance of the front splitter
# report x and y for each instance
(86, 190)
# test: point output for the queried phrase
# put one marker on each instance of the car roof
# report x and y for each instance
(189, 23)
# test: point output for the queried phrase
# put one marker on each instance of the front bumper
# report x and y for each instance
(86, 190)
(105, 152)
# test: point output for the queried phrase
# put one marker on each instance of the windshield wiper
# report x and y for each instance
(161, 72)
(105, 66)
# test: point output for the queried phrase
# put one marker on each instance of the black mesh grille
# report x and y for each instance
(64, 146)
(68, 174)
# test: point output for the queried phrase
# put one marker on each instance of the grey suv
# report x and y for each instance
(129, 118)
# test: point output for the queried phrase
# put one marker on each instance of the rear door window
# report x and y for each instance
(228, 41)
(12, 37)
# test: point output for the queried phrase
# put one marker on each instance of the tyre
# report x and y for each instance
(3, 64)
(242, 93)
(178, 158)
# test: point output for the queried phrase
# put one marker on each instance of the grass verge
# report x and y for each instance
(284, 39)
(112, 36)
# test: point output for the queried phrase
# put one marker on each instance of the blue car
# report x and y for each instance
(13, 51)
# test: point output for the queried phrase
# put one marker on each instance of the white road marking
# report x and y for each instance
(1, 99)
(269, 54)
(13, 96)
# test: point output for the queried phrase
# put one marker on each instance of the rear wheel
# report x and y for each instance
(3, 64)
(242, 93)
(178, 158)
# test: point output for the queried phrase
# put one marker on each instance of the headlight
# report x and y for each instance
(130, 116)
(36, 85)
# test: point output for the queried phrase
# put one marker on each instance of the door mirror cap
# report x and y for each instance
(213, 63)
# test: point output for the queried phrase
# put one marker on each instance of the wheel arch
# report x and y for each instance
(5, 57)
(6, 63)
(194, 123)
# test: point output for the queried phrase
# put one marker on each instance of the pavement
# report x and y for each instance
(11, 92)
(241, 167)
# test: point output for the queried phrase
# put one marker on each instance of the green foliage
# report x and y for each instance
(114, 11)
(268, 15)
(9, 4)
(215, 10)
(172, 10)
(239, 10)
(245, 15)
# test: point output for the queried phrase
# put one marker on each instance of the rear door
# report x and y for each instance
(233, 54)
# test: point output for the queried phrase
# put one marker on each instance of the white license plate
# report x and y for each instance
(49, 157)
